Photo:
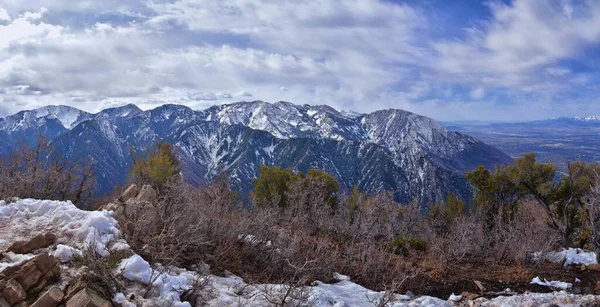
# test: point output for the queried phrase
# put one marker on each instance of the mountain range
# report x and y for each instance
(410, 155)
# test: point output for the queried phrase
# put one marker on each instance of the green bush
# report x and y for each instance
(157, 168)
(401, 246)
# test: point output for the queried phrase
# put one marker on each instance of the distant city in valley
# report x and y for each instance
(557, 140)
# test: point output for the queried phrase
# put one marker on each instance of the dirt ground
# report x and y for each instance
(496, 279)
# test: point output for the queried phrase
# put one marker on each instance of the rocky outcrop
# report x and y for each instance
(21, 285)
(131, 192)
(136, 206)
(147, 194)
(37, 242)
(26, 280)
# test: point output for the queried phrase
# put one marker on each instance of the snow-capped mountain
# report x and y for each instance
(389, 150)
(581, 119)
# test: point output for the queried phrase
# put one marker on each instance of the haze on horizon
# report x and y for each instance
(449, 60)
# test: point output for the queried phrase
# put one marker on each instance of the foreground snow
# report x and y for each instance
(78, 230)
(562, 299)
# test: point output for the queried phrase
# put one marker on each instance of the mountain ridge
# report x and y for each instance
(387, 150)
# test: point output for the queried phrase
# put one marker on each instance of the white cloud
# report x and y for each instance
(4, 15)
(514, 46)
(22, 30)
(355, 54)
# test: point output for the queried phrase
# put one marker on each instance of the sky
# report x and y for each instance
(449, 60)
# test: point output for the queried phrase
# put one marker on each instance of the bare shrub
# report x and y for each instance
(462, 240)
(500, 239)
(592, 205)
(100, 273)
(38, 171)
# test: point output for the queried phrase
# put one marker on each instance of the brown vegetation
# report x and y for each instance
(38, 171)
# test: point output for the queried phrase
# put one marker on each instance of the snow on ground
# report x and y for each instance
(562, 299)
(11, 259)
(570, 256)
(552, 284)
(77, 230)
(233, 291)
(168, 284)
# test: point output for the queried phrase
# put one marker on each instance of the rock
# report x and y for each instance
(87, 298)
(131, 192)
(50, 298)
(45, 262)
(147, 194)
(74, 287)
(13, 292)
(34, 274)
(28, 275)
(37, 242)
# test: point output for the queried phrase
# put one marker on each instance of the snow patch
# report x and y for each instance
(455, 298)
(168, 284)
(552, 284)
(66, 253)
(570, 256)
(122, 300)
(80, 229)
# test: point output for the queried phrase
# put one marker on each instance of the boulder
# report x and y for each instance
(131, 192)
(88, 298)
(147, 194)
(37, 242)
(13, 292)
(50, 298)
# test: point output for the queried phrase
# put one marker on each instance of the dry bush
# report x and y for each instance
(592, 206)
(462, 240)
(499, 240)
(38, 171)
(310, 240)
(515, 240)
(100, 273)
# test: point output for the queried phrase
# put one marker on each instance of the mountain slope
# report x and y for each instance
(389, 150)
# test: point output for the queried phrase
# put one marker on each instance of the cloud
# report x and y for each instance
(477, 93)
(357, 54)
(4, 15)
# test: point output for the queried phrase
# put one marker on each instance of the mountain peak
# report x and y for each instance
(121, 111)
(66, 115)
